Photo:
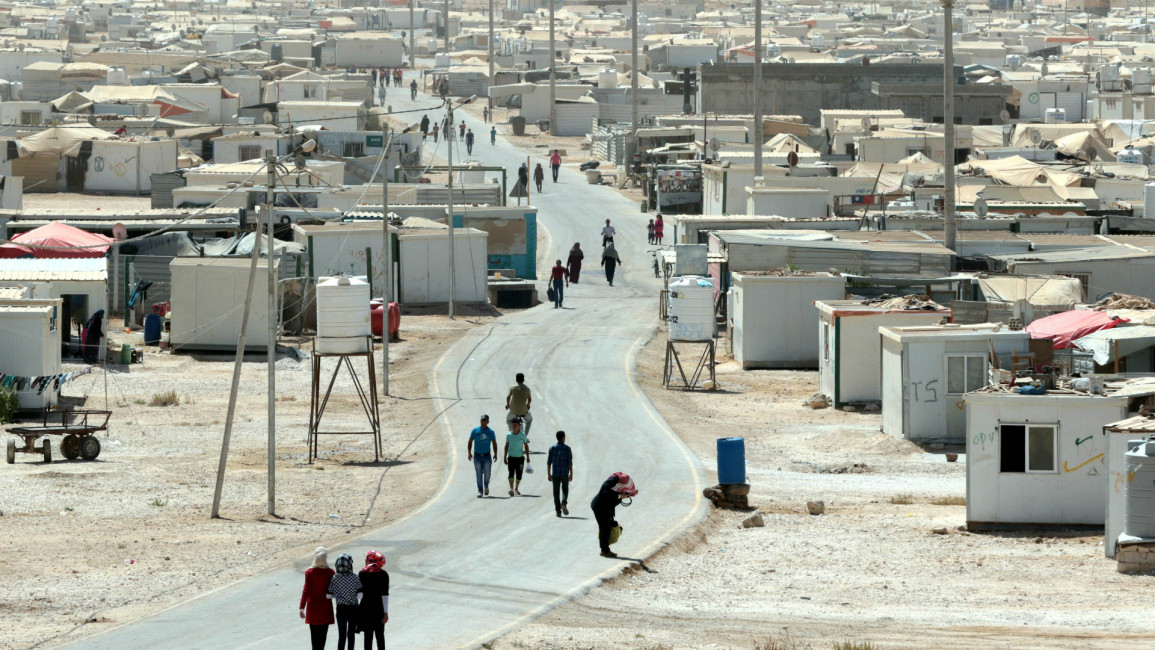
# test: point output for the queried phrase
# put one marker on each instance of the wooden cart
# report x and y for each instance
(77, 427)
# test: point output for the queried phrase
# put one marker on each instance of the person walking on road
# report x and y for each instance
(436, 129)
(659, 225)
(477, 450)
(380, 95)
(555, 163)
(615, 488)
(516, 453)
(650, 232)
(462, 128)
(574, 263)
(492, 135)
(559, 274)
(610, 261)
(608, 234)
(538, 177)
(447, 129)
(485, 114)
(523, 183)
(375, 599)
(469, 141)
(315, 606)
(424, 126)
(559, 471)
(517, 402)
(345, 590)
(413, 90)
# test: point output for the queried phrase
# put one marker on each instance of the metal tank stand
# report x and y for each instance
(368, 399)
(674, 361)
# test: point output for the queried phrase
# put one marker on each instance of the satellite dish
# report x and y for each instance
(1036, 137)
(300, 161)
(1044, 70)
(267, 117)
(1004, 115)
(119, 232)
(790, 60)
(981, 208)
(714, 145)
(792, 159)
(865, 124)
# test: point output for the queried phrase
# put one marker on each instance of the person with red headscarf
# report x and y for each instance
(617, 487)
(374, 599)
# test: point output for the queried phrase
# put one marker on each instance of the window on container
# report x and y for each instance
(30, 118)
(353, 150)
(825, 342)
(965, 373)
(250, 152)
(1028, 448)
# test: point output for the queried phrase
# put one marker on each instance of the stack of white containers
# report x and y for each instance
(343, 318)
(692, 309)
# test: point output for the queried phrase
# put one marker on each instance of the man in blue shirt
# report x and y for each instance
(478, 451)
(559, 471)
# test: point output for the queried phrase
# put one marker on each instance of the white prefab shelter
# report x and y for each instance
(208, 302)
(81, 282)
(849, 364)
(1036, 460)
(31, 347)
(772, 316)
(926, 371)
(424, 266)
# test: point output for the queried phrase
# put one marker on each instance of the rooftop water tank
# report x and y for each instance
(1139, 493)
(343, 318)
(608, 78)
(1130, 156)
(692, 309)
(1055, 116)
(1141, 81)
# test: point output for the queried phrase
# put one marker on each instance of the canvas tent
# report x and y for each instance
(60, 140)
(56, 240)
(1068, 326)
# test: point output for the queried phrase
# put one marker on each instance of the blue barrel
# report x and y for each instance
(731, 461)
(152, 325)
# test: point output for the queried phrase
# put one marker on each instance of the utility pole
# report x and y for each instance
(388, 282)
(449, 216)
(552, 76)
(271, 168)
(759, 129)
(233, 390)
(948, 124)
(634, 71)
(489, 99)
(411, 36)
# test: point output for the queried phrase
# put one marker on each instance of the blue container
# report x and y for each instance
(731, 461)
(152, 326)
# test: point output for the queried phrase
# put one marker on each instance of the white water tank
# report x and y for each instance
(692, 309)
(1055, 116)
(442, 60)
(343, 319)
(1109, 79)
(608, 78)
(1141, 81)
(117, 77)
(1130, 156)
(1139, 493)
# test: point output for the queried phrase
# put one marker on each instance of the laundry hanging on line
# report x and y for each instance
(39, 384)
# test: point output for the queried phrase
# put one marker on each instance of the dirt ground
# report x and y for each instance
(68, 573)
(870, 569)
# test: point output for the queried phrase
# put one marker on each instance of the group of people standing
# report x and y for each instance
(362, 600)
(654, 230)
(387, 76)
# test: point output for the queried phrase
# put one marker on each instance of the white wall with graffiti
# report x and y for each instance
(1037, 459)
(127, 167)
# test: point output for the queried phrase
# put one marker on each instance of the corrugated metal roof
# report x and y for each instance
(49, 269)
(1138, 424)
(12, 293)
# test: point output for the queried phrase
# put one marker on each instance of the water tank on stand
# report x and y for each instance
(1109, 80)
(1139, 493)
(1141, 81)
(343, 318)
(692, 309)
(608, 78)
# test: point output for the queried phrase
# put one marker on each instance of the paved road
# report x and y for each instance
(465, 570)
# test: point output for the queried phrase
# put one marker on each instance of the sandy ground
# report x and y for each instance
(870, 569)
(69, 573)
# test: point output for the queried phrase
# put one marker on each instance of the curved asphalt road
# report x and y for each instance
(466, 570)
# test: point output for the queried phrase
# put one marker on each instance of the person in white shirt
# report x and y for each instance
(607, 234)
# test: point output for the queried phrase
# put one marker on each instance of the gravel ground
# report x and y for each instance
(870, 569)
(89, 544)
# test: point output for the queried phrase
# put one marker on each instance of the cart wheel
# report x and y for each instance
(89, 448)
(47, 451)
(70, 447)
(11, 451)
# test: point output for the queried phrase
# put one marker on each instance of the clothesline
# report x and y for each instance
(40, 383)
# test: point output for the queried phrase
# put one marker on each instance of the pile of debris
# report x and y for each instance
(1124, 301)
(912, 302)
(733, 497)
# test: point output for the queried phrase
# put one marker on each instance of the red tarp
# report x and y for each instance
(1070, 325)
(58, 240)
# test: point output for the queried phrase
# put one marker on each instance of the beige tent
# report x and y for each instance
(60, 140)
(1084, 146)
(1019, 171)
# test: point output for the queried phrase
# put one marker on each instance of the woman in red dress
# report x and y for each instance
(658, 226)
(316, 608)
